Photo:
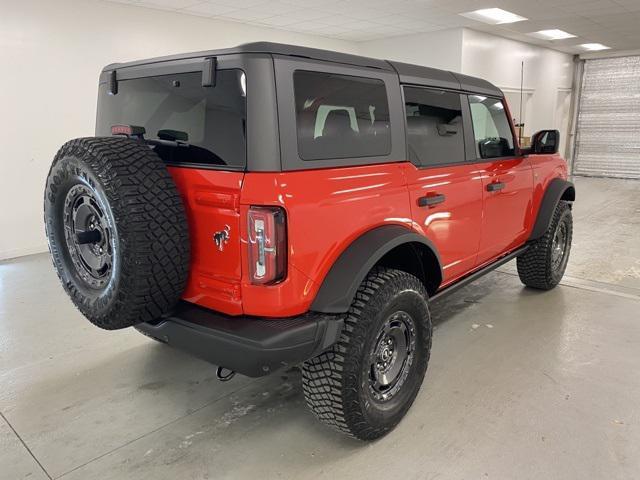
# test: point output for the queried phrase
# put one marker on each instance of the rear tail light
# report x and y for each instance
(267, 245)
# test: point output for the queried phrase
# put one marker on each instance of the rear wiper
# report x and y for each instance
(153, 142)
(173, 135)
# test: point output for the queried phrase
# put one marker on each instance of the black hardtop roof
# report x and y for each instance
(408, 73)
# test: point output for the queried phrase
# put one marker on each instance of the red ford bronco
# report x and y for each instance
(271, 205)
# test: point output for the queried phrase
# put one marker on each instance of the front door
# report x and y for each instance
(444, 189)
(507, 179)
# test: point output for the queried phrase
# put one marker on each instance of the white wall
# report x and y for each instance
(51, 53)
(499, 60)
(440, 49)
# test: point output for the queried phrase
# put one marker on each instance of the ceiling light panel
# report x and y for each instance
(494, 16)
(594, 47)
(553, 34)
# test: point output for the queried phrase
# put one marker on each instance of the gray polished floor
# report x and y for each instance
(522, 384)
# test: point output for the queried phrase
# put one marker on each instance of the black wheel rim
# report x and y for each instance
(391, 356)
(559, 245)
(89, 236)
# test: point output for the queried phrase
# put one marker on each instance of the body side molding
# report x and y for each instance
(557, 190)
(346, 274)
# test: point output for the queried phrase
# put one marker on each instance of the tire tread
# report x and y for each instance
(534, 265)
(328, 383)
(151, 224)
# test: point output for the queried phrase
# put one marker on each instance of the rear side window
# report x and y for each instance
(434, 126)
(184, 122)
(340, 116)
(491, 127)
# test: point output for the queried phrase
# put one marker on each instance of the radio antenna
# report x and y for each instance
(521, 95)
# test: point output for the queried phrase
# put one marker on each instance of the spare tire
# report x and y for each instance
(117, 230)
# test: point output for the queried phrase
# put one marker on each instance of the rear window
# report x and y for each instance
(340, 116)
(184, 122)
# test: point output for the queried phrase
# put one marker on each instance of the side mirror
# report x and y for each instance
(545, 141)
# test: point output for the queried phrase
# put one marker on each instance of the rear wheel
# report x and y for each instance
(542, 266)
(364, 385)
(117, 230)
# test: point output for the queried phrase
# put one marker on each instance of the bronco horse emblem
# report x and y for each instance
(222, 237)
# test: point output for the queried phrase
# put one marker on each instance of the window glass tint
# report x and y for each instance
(491, 128)
(340, 116)
(434, 126)
(184, 122)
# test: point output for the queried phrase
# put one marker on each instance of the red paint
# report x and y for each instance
(327, 209)
(212, 202)
(453, 225)
(507, 212)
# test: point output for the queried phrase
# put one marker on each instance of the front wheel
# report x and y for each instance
(364, 385)
(543, 264)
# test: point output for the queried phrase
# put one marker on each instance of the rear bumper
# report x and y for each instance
(248, 345)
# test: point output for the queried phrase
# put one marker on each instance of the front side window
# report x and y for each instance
(434, 126)
(491, 128)
(340, 116)
(184, 121)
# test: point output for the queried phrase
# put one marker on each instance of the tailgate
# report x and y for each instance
(212, 202)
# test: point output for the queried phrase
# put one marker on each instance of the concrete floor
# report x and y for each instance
(522, 384)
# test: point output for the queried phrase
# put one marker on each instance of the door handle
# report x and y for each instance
(431, 200)
(495, 186)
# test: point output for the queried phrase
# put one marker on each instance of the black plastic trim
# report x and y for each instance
(552, 195)
(478, 85)
(113, 83)
(345, 276)
(417, 75)
(432, 77)
(252, 346)
(477, 274)
(209, 72)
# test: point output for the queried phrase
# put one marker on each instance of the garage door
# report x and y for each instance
(608, 133)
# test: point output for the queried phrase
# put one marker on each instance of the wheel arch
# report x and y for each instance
(392, 246)
(558, 189)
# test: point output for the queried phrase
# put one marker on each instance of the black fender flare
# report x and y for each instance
(557, 190)
(347, 273)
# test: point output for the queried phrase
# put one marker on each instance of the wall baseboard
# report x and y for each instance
(21, 252)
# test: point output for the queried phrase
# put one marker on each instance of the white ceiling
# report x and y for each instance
(615, 23)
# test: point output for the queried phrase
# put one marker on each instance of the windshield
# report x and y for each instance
(184, 122)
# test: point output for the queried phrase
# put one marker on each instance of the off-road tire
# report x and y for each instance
(535, 266)
(145, 230)
(335, 383)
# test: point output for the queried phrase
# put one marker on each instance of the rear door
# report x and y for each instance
(200, 132)
(444, 188)
(507, 178)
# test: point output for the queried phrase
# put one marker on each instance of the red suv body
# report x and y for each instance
(311, 182)
(332, 198)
